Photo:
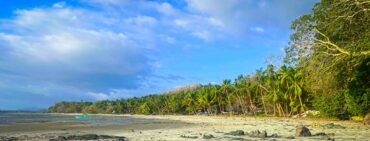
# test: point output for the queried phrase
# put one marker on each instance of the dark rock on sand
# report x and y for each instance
(208, 136)
(320, 134)
(60, 138)
(327, 138)
(88, 137)
(9, 139)
(242, 139)
(258, 134)
(189, 137)
(302, 131)
(290, 137)
(236, 133)
(83, 137)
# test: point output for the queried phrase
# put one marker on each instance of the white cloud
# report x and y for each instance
(181, 23)
(205, 35)
(59, 4)
(142, 21)
(166, 9)
(258, 29)
(72, 47)
(167, 39)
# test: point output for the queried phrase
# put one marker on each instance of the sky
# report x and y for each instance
(52, 50)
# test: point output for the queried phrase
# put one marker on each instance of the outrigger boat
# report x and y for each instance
(83, 116)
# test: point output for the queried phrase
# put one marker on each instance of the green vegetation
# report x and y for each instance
(327, 68)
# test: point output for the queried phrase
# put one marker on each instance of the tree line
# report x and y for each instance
(326, 68)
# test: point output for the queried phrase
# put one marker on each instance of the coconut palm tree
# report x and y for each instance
(226, 89)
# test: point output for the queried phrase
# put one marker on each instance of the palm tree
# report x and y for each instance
(260, 79)
(190, 101)
(241, 89)
(226, 88)
(292, 80)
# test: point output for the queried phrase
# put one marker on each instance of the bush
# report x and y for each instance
(358, 103)
(332, 105)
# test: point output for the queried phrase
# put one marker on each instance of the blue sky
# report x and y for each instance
(52, 50)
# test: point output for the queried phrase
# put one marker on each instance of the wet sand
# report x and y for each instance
(194, 128)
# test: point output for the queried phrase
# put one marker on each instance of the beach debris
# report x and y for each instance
(208, 136)
(302, 131)
(236, 133)
(189, 136)
(258, 134)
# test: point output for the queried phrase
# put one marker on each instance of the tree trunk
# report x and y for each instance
(263, 102)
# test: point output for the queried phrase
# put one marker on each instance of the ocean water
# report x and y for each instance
(13, 118)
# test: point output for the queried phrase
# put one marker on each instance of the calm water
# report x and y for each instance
(11, 118)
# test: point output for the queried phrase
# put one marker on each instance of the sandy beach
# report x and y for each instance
(174, 127)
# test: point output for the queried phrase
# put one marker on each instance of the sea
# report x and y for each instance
(34, 117)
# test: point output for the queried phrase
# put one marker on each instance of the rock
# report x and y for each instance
(302, 131)
(263, 134)
(290, 137)
(189, 137)
(236, 133)
(10, 139)
(274, 135)
(320, 134)
(89, 137)
(83, 137)
(242, 139)
(60, 138)
(258, 134)
(327, 138)
(122, 139)
(331, 134)
(208, 136)
(74, 137)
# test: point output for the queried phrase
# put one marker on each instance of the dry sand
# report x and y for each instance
(174, 127)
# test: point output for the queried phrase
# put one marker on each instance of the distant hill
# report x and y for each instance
(184, 88)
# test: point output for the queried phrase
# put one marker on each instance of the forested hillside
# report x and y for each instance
(327, 68)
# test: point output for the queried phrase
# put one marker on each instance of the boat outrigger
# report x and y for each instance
(83, 116)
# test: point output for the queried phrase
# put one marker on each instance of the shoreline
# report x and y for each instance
(190, 127)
